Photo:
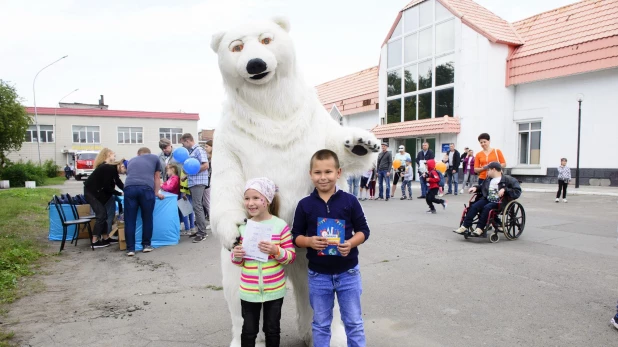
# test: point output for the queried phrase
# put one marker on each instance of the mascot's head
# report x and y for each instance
(255, 53)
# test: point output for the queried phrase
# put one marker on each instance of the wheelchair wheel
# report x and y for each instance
(513, 220)
(493, 238)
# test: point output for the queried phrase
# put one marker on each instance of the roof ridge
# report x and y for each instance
(348, 75)
(555, 9)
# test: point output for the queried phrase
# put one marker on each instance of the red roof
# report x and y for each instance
(351, 94)
(63, 111)
(573, 39)
(477, 17)
(440, 125)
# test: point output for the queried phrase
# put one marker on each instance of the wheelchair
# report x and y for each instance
(508, 218)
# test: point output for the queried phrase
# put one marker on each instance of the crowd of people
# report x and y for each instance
(147, 176)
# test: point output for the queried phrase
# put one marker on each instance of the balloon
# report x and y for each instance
(191, 166)
(396, 164)
(181, 154)
(441, 167)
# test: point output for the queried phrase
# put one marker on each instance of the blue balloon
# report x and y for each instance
(181, 154)
(191, 166)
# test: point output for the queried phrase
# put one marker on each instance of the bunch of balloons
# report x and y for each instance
(190, 165)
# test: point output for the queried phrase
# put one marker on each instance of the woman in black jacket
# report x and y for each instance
(98, 189)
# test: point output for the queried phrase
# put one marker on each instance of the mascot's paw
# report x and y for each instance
(227, 231)
(361, 143)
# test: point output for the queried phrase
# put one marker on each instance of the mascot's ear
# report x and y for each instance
(216, 41)
(283, 22)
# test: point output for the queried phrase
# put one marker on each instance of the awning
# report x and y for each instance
(441, 125)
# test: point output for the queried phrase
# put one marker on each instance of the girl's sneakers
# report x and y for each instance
(557, 200)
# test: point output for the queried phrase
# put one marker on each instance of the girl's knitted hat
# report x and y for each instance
(264, 186)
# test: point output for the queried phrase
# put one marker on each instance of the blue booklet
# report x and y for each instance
(334, 231)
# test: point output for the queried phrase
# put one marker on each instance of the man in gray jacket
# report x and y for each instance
(385, 162)
(166, 157)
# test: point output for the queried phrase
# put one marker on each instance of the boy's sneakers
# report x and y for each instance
(199, 238)
(185, 232)
(100, 244)
(410, 198)
(431, 211)
(147, 249)
(614, 321)
(130, 253)
(564, 200)
(478, 231)
(557, 200)
(462, 229)
(403, 198)
(444, 204)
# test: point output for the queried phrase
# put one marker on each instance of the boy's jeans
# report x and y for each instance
(322, 290)
(353, 183)
(407, 183)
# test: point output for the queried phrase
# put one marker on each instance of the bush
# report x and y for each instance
(51, 169)
(21, 172)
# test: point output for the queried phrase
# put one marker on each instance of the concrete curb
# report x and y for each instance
(571, 192)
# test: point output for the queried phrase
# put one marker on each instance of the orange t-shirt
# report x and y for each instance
(481, 160)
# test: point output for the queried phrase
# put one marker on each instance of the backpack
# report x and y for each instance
(441, 183)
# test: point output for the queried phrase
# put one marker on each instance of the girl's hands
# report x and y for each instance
(268, 247)
(238, 252)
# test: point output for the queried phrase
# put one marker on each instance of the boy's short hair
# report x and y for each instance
(324, 154)
(483, 136)
(561, 159)
(495, 165)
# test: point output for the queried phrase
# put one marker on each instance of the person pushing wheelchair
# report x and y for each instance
(492, 190)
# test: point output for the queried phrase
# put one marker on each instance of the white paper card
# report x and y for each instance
(185, 207)
(254, 233)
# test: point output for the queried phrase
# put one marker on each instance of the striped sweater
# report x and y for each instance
(260, 282)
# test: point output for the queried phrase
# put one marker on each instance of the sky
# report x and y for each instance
(154, 55)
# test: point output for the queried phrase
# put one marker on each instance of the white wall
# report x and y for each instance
(364, 120)
(482, 101)
(554, 102)
(109, 136)
(383, 82)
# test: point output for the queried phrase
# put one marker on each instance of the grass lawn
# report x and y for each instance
(23, 227)
(55, 181)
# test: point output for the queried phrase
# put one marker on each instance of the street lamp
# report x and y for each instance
(580, 98)
(55, 112)
(36, 116)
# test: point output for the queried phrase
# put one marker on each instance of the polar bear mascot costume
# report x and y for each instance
(272, 123)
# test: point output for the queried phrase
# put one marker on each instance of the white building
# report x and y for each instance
(352, 100)
(65, 131)
(451, 69)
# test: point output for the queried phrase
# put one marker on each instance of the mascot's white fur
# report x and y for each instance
(272, 123)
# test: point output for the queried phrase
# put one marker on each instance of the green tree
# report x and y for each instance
(14, 121)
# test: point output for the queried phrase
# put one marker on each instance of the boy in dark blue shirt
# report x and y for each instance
(332, 274)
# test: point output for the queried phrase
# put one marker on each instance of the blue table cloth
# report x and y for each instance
(166, 223)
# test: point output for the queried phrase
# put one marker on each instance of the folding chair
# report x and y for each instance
(66, 223)
(77, 216)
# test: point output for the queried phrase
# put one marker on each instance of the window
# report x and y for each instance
(130, 135)
(393, 111)
(172, 134)
(46, 133)
(394, 53)
(421, 64)
(86, 134)
(445, 37)
(530, 143)
(444, 102)
(394, 83)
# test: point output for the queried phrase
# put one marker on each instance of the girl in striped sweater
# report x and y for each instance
(263, 283)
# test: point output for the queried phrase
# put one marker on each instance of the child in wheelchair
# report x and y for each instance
(496, 187)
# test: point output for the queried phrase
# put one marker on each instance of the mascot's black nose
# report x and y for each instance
(256, 66)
